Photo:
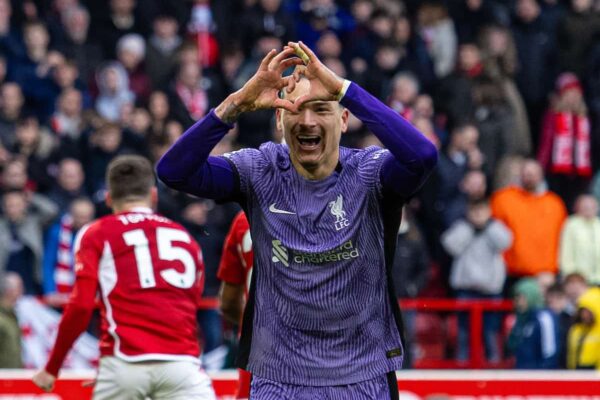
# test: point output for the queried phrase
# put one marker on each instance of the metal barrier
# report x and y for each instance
(475, 308)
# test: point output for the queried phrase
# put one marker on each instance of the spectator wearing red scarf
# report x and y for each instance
(565, 145)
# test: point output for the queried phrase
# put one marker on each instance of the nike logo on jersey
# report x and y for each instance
(278, 211)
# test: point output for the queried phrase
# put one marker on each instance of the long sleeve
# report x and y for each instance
(498, 236)
(414, 156)
(456, 239)
(74, 321)
(186, 166)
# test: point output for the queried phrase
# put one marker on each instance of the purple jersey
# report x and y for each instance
(321, 310)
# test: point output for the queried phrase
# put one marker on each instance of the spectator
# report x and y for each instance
(193, 93)
(535, 216)
(77, 44)
(158, 105)
(472, 16)
(11, 289)
(404, 35)
(14, 175)
(67, 121)
(534, 338)
(265, 17)
(104, 144)
(454, 94)
(495, 122)
(500, 62)
(460, 156)
(405, 89)
(131, 51)
(161, 48)
(574, 285)
(438, 31)
(580, 244)
(565, 143)
(410, 273)
(11, 109)
(58, 272)
(472, 188)
(9, 39)
(478, 270)
(583, 351)
(36, 145)
(389, 59)
(536, 49)
(113, 84)
(68, 185)
(318, 16)
(558, 303)
(34, 72)
(575, 35)
(21, 232)
(120, 21)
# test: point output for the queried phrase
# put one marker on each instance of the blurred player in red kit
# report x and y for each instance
(149, 274)
(235, 272)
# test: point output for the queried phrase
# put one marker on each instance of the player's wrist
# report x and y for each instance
(345, 84)
(230, 109)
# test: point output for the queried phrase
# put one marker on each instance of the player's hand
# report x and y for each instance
(44, 380)
(325, 85)
(262, 90)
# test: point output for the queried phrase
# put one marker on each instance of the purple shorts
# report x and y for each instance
(381, 388)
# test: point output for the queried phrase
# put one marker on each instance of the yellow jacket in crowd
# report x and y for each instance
(583, 351)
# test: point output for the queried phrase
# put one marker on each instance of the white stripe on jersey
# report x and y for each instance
(107, 272)
(79, 235)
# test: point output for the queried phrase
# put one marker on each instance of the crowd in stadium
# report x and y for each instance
(509, 92)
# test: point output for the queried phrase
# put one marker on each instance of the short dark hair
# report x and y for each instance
(129, 177)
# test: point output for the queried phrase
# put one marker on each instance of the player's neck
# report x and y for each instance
(130, 206)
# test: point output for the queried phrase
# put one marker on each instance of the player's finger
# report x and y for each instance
(291, 84)
(298, 102)
(264, 64)
(298, 72)
(275, 61)
(311, 55)
(285, 104)
(288, 62)
(299, 52)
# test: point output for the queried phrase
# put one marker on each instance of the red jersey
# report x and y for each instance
(236, 268)
(237, 258)
(150, 275)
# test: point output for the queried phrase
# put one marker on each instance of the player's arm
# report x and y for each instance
(187, 166)
(79, 309)
(231, 301)
(413, 155)
(232, 272)
(73, 323)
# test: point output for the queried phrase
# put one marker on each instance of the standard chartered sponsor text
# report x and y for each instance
(346, 251)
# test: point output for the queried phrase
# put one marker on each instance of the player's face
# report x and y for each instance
(313, 132)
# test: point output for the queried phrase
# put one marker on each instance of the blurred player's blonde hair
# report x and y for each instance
(129, 177)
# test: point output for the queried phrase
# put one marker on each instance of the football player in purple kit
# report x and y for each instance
(321, 320)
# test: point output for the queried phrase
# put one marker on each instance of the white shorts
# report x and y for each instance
(156, 380)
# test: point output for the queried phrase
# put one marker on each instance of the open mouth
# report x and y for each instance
(309, 142)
